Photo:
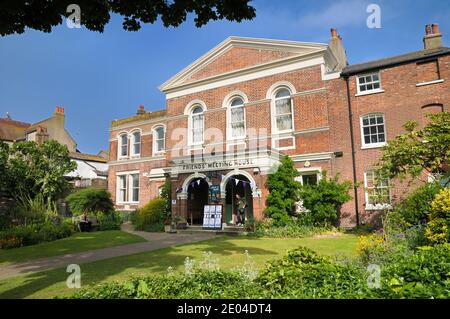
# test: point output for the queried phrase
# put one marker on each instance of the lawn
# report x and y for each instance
(228, 250)
(76, 243)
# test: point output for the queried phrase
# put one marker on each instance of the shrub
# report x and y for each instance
(324, 200)
(416, 208)
(151, 217)
(34, 234)
(283, 192)
(90, 200)
(266, 228)
(425, 274)
(109, 222)
(438, 228)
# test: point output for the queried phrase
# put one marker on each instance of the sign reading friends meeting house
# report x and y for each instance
(216, 165)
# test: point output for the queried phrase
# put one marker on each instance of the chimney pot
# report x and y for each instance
(141, 110)
(435, 28)
(334, 33)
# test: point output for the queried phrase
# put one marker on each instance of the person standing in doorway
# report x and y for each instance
(241, 208)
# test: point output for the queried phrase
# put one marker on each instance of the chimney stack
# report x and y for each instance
(432, 38)
(141, 110)
(337, 47)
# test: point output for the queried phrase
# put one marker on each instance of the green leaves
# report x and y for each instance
(30, 169)
(283, 194)
(418, 150)
(43, 15)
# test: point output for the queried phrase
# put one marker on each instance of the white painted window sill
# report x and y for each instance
(429, 83)
(377, 207)
(368, 147)
(370, 92)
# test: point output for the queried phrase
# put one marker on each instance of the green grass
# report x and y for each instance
(229, 251)
(76, 243)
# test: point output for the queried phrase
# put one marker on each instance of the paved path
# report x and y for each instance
(154, 241)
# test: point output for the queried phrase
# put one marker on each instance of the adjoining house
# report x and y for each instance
(92, 170)
(232, 113)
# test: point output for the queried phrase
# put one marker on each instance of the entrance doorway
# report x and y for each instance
(197, 199)
(238, 185)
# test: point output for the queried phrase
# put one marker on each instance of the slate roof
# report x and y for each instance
(394, 61)
(88, 157)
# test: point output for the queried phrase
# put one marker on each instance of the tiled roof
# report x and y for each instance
(396, 60)
(140, 117)
(11, 130)
(88, 157)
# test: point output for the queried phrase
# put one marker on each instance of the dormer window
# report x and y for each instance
(369, 83)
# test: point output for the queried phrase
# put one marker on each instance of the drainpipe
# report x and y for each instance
(352, 138)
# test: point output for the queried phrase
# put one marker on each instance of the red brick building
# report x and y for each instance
(232, 113)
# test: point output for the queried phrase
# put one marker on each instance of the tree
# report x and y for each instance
(419, 150)
(42, 15)
(33, 169)
(283, 194)
(90, 200)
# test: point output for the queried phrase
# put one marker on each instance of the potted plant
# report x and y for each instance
(168, 225)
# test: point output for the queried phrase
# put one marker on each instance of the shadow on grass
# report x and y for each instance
(52, 283)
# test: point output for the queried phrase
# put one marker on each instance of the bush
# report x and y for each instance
(151, 217)
(425, 274)
(438, 228)
(90, 200)
(283, 193)
(324, 200)
(109, 222)
(416, 208)
(266, 228)
(34, 234)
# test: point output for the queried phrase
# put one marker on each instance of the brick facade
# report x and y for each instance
(319, 141)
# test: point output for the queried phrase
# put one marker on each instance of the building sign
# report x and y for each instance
(214, 193)
(216, 165)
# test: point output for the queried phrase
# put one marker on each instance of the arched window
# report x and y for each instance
(159, 139)
(123, 145)
(237, 118)
(283, 110)
(136, 143)
(373, 130)
(196, 125)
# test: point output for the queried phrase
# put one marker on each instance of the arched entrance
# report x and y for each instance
(197, 198)
(238, 185)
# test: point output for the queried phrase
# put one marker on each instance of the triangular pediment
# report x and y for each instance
(236, 55)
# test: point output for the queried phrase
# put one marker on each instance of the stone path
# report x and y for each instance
(154, 241)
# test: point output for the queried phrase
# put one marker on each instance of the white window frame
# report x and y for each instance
(273, 109)
(155, 139)
(365, 145)
(119, 189)
(309, 171)
(358, 84)
(190, 125)
(119, 145)
(230, 136)
(129, 187)
(132, 143)
(380, 206)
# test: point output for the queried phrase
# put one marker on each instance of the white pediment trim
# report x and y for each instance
(300, 49)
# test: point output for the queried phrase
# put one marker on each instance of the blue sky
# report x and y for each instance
(101, 77)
